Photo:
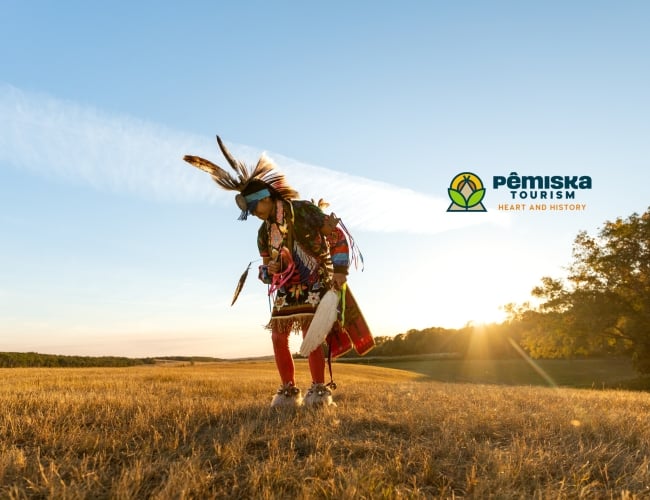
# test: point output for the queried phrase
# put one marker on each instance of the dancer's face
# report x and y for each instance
(264, 208)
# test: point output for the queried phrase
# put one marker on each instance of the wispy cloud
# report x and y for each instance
(56, 138)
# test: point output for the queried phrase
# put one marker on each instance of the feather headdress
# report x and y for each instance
(264, 175)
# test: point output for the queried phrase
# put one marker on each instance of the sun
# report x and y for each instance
(485, 314)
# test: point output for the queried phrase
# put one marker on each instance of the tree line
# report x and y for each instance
(491, 341)
(34, 359)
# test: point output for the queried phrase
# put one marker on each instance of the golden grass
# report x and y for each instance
(206, 431)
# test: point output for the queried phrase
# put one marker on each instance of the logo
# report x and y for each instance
(466, 193)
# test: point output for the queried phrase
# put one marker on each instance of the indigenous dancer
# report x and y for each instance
(304, 255)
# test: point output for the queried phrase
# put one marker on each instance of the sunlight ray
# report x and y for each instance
(532, 363)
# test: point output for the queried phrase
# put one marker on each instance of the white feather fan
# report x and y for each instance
(321, 324)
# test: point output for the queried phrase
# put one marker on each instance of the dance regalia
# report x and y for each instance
(308, 257)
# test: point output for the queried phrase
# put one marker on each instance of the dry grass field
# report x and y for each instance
(206, 431)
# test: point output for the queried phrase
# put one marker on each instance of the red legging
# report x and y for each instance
(284, 360)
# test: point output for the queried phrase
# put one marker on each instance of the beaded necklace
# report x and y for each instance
(277, 230)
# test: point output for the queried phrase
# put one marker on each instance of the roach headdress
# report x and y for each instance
(263, 181)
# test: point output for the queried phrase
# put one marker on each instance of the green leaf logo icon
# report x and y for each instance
(457, 197)
(466, 193)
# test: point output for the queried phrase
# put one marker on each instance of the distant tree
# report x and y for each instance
(603, 306)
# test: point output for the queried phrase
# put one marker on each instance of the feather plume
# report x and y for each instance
(321, 324)
(240, 284)
(218, 174)
(237, 166)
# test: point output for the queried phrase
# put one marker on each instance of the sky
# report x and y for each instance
(110, 244)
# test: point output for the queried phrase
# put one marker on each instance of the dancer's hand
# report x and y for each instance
(340, 279)
(273, 267)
